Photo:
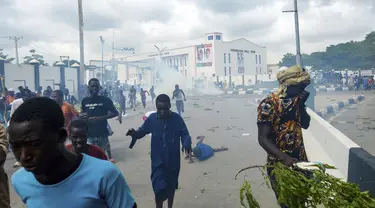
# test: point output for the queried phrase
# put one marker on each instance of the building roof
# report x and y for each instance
(245, 40)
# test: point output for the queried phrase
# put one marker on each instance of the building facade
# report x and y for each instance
(238, 62)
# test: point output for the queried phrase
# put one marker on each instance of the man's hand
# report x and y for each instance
(288, 160)
(187, 150)
(130, 132)
(119, 118)
(83, 116)
(303, 96)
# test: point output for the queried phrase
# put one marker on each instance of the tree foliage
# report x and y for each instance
(67, 63)
(6, 57)
(33, 55)
(349, 55)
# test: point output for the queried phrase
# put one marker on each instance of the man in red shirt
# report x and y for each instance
(70, 113)
(78, 136)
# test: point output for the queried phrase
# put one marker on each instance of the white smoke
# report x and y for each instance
(168, 78)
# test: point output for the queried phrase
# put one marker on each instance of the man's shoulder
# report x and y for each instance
(22, 177)
(102, 168)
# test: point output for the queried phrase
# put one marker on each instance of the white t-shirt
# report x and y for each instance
(14, 105)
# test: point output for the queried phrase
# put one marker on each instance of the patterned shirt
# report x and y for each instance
(283, 114)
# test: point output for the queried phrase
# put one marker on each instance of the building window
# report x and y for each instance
(176, 61)
(218, 37)
(185, 61)
(180, 61)
(225, 71)
(225, 58)
(230, 70)
(256, 59)
(170, 61)
(260, 62)
(210, 37)
(228, 57)
(260, 70)
(257, 70)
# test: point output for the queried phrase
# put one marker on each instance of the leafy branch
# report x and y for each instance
(296, 189)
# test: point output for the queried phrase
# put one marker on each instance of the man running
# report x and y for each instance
(122, 102)
(70, 113)
(167, 129)
(153, 95)
(78, 136)
(280, 118)
(180, 98)
(143, 97)
(51, 175)
(133, 97)
(4, 184)
(203, 151)
(97, 109)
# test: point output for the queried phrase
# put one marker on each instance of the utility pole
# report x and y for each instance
(160, 54)
(81, 45)
(298, 47)
(102, 41)
(16, 39)
(113, 56)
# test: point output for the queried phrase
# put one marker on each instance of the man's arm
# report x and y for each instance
(3, 144)
(185, 136)
(305, 118)
(143, 130)
(266, 116)
(83, 106)
(117, 193)
(264, 131)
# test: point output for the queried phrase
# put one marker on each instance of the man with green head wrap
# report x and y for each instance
(281, 117)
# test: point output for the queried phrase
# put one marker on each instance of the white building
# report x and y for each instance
(238, 61)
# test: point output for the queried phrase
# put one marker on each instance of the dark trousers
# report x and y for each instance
(4, 189)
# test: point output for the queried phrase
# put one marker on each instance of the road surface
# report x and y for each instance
(358, 122)
(225, 121)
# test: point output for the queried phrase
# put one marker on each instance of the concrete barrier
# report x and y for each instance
(334, 108)
(326, 144)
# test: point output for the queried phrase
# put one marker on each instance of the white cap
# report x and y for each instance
(11, 89)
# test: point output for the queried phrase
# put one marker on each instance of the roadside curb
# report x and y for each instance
(334, 108)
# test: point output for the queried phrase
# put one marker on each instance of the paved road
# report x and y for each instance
(323, 99)
(358, 123)
(211, 183)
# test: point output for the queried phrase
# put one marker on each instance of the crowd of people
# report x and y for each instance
(51, 169)
(39, 125)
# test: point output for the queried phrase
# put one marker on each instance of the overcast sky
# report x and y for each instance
(51, 26)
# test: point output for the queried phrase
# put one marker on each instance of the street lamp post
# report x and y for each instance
(298, 48)
(102, 41)
(160, 54)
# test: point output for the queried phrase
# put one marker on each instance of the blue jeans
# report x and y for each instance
(101, 142)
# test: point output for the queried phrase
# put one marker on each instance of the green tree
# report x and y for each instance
(349, 55)
(6, 57)
(33, 55)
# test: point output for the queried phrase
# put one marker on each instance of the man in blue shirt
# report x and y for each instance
(167, 129)
(51, 175)
(203, 151)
